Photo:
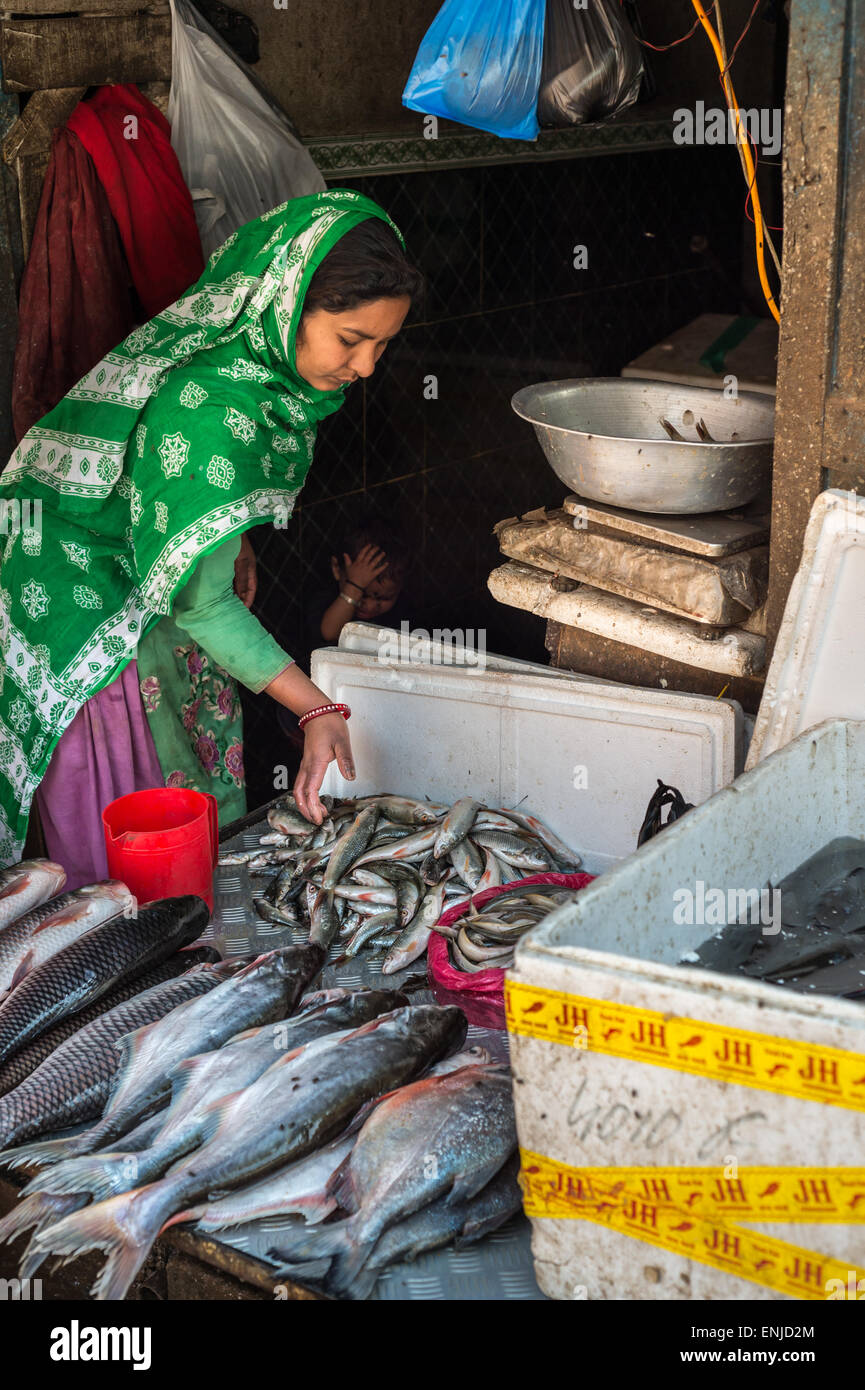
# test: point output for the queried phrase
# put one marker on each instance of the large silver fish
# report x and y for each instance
(201, 1080)
(295, 1107)
(72, 1084)
(430, 1228)
(43, 931)
(262, 992)
(444, 1135)
(300, 1188)
(102, 958)
(26, 885)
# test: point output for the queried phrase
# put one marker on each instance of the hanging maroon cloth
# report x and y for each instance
(75, 303)
(129, 141)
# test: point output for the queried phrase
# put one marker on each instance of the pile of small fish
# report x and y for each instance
(486, 938)
(356, 1109)
(813, 939)
(380, 869)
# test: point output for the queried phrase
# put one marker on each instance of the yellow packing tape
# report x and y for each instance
(657, 1206)
(782, 1065)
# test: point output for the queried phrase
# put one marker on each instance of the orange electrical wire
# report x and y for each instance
(745, 147)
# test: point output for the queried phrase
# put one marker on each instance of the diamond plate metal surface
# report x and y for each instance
(497, 1268)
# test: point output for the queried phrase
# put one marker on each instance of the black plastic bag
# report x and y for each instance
(592, 65)
(652, 822)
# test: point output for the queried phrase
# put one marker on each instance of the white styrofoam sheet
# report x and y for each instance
(619, 941)
(583, 757)
(818, 666)
(370, 639)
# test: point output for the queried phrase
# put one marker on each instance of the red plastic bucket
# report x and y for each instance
(163, 842)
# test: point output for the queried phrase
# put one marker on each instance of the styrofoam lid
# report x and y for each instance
(583, 757)
(818, 666)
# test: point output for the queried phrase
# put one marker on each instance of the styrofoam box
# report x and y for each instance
(618, 942)
(584, 757)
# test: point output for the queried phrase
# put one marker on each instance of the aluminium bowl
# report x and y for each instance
(603, 438)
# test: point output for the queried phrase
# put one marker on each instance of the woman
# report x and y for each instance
(200, 425)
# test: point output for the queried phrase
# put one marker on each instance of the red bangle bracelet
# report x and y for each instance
(323, 709)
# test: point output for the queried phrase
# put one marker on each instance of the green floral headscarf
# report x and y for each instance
(194, 429)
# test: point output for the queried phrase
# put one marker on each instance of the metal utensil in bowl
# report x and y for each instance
(604, 437)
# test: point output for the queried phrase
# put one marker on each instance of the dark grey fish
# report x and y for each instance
(72, 1084)
(104, 957)
(296, 1106)
(28, 1058)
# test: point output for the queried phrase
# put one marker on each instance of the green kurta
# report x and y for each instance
(185, 666)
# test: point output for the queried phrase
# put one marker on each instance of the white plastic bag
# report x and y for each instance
(237, 150)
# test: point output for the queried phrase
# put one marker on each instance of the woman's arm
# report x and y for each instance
(324, 738)
(208, 608)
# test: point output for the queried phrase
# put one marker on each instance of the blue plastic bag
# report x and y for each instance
(479, 63)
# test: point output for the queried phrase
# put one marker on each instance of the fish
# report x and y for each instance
(442, 1136)
(25, 885)
(412, 940)
(103, 958)
(324, 920)
(568, 861)
(288, 821)
(299, 1188)
(350, 844)
(512, 850)
(456, 825)
(44, 930)
(263, 992)
(405, 809)
(294, 1108)
(72, 1085)
(369, 928)
(19, 1066)
(413, 846)
(438, 1224)
(199, 1081)
(281, 916)
(468, 863)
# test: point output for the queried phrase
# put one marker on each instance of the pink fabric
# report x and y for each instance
(107, 751)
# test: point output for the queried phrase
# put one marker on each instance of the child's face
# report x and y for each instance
(379, 597)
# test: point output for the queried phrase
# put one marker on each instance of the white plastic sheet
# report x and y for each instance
(238, 152)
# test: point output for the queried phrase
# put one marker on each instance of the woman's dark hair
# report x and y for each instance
(377, 528)
(367, 263)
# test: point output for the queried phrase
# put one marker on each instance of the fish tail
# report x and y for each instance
(346, 1272)
(53, 1209)
(43, 1152)
(99, 1175)
(39, 1209)
(124, 1227)
(327, 1242)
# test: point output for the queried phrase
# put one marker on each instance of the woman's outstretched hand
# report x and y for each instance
(324, 738)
